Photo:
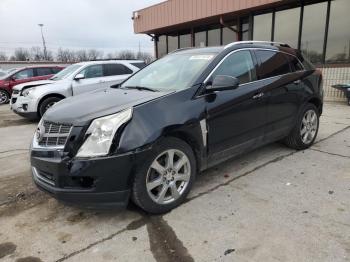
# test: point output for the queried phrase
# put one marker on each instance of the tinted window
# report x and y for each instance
(272, 64)
(92, 71)
(161, 45)
(116, 69)
(43, 71)
(287, 26)
(214, 37)
(185, 40)
(173, 43)
(27, 73)
(294, 63)
(139, 64)
(238, 64)
(200, 39)
(338, 46)
(313, 31)
(55, 70)
(262, 28)
(229, 36)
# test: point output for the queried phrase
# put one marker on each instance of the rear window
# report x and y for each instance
(43, 71)
(295, 64)
(272, 64)
(116, 69)
(139, 64)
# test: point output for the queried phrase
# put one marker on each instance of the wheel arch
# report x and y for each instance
(47, 96)
(317, 102)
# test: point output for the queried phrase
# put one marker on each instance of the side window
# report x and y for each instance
(55, 70)
(272, 64)
(24, 74)
(295, 64)
(240, 65)
(139, 64)
(92, 71)
(43, 71)
(116, 69)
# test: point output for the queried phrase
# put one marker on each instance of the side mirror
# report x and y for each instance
(79, 76)
(223, 82)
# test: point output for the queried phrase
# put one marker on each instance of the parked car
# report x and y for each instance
(24, 75)
(345, 88)
(31, 100)
(150, 136)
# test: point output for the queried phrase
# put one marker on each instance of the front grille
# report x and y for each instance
(54, 134)
(13, 100)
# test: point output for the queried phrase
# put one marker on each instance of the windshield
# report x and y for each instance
(173, 72)
(65, 72)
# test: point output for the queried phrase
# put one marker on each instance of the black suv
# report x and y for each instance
(148, 137)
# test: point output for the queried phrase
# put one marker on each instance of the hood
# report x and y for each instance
(19, 87)
(81, 109)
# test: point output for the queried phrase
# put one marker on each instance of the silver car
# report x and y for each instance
(31, 100)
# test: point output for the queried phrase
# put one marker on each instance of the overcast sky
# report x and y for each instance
(101, 24)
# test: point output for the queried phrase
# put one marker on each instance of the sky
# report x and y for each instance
(105, 25)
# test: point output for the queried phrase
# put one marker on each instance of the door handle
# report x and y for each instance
(257, 96)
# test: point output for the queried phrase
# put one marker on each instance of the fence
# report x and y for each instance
(334, 74)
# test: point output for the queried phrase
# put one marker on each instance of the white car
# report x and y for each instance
(32, 99)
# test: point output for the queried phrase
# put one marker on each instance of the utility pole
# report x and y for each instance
(44, 45)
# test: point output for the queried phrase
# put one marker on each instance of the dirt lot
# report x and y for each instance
(273, 204)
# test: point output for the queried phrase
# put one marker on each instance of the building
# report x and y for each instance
(319, 28)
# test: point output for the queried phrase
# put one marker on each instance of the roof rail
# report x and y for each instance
(258, 42)
(180, 49)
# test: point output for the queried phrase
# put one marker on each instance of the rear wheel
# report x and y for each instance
(166, 177)
(4, 97)
(47, 103)
(305, 131)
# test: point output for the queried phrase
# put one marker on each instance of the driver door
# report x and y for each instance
(236, 118)
(93, 80)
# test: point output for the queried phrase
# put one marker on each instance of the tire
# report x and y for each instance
(47, 103)
(305, 127)
(149, 184)
(4, 97)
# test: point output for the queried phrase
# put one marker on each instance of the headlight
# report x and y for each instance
(26, 92)
(101, 133)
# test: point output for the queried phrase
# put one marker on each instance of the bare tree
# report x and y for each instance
(3, 56)
(66, 56)
(37, 53)
(21, 54)
(94, 54)
(126, 54)
(147, 57)
(82, 55)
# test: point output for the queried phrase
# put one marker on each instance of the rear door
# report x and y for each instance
(115, 73)
(282, 87)
(23, 76)
(93, 80)
(236, 118)
(43, 73)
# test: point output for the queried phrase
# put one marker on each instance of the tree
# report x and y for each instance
(3, 56)
(126, 54)
(81, 55)
(65, 56)
(147, 57)
(36, 53)
(94, 54)
(21, 54)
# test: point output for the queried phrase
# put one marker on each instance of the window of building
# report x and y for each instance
(238, 64)
(116, 69)
(92, 71)
(27, 73)
(214, 37)
(314, 24)
(287, 26)
(200, 39)
(272, 64)
(173, 43)
(245, 29)
(228, 35)
(338, 45)
(262, 28)
(185, 40)
(43, 71)
(161, 45)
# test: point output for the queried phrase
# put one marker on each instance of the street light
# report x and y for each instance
(44, 45)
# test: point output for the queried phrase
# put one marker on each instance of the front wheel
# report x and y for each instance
(305, 131)
(47, 103)
(4, 97)
(166, 177)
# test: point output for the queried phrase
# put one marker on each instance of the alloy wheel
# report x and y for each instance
(309, 126)
(3, 97)
(168, 176)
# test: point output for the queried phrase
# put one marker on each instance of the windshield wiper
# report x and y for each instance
(140, 88)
